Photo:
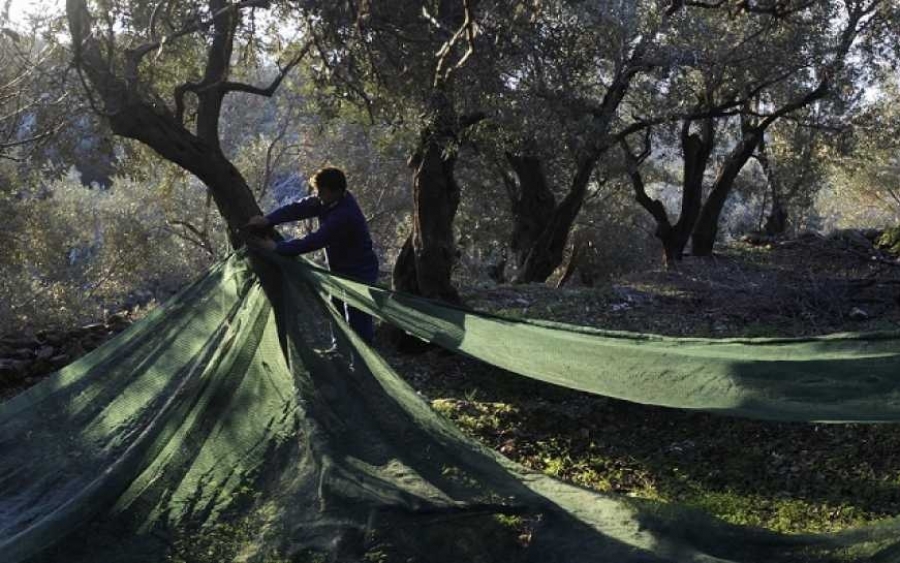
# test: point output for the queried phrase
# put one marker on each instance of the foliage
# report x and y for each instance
(78, 253)
(864, 167)
(890, 240)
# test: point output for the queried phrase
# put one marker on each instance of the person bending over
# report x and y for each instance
(343, 233)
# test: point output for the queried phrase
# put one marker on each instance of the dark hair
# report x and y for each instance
(331, 179)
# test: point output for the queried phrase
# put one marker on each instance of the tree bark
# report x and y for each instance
(112, 72)
(697, 148)
(426, 262)
(776, 222)
(547, 252)
(531, 201)
(707, 227)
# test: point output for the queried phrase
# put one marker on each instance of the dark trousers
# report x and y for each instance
(361, 323)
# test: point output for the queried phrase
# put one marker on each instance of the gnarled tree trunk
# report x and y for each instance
(547, 252)
(705, 231)
(113, 74)
(426, 261)
(697, 148)
(531, 201)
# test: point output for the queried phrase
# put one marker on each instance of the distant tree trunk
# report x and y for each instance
(697, 148)
(404, 278)
(707, 227)
(580, 260)
(547, 251)
(426, 261)
(573, 263)
(531, 200)
(776, 221)
(653, 206)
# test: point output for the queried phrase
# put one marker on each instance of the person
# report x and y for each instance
(343, 232)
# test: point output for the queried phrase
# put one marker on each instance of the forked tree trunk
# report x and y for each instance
(705, 231)
(547, 252)
(131, 116)
(426, 261)
(697, 148)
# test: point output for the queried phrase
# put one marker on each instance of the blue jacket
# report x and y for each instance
(342, 232)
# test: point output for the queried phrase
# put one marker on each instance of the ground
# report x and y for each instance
(787, 477)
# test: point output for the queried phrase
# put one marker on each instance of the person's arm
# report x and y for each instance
(304, 209)
(316, 240)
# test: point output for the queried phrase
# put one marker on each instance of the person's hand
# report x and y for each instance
(257, 223)
(263, 243)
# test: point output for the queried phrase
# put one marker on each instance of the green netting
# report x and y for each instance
(221, 429)
(835, 378)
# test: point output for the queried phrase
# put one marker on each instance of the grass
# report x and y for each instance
(740, 472)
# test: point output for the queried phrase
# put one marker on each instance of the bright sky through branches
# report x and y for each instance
(19, 10)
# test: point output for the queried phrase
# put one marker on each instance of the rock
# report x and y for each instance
(12, 370)
(857, 314)
(20, 342)
(45, 352)
(22, 354)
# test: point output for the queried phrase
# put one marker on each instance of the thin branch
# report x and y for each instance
(269, 90)
(202, 239)
(442, 72)
(632, 163)
(33, 139)
(195, 24)
(775, 8)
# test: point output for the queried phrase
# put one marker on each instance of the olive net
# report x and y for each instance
(226, 427)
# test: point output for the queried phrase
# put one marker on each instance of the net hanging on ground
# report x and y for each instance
(835, 378)
(218, 428)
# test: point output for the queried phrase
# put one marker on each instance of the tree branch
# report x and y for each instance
(442, 72)
(269, 90)
(632, 164)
